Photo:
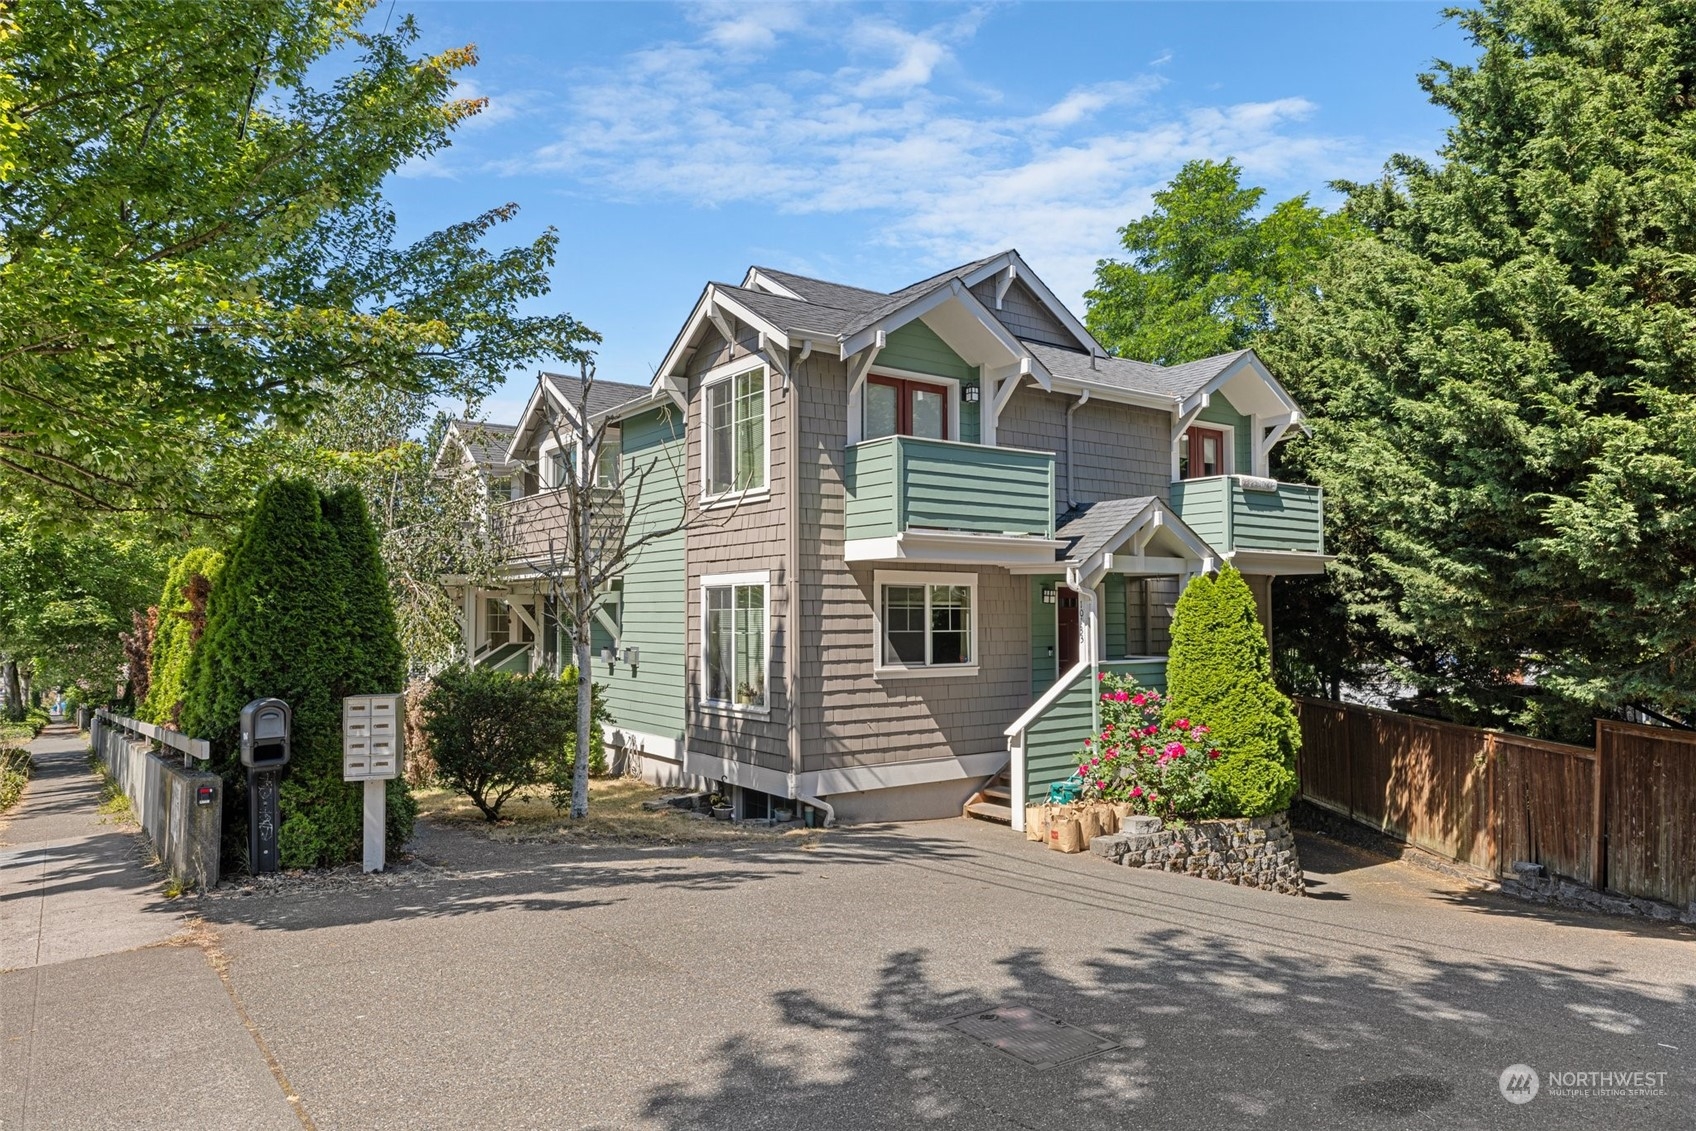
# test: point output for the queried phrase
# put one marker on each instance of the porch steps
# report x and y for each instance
(994, 802)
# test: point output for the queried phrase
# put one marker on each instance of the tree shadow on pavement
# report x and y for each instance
(461, 874)
(1212, 1031)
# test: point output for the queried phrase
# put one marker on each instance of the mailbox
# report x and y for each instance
(372, 743)
(265, 725)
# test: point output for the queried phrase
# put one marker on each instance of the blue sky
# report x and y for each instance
(872, 144)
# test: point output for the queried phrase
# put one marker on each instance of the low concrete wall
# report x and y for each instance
(1254, 852)
(164, 795)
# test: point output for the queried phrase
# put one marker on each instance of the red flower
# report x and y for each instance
(1182, 724)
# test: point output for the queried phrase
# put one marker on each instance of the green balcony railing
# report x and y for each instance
(899, 483)
(1230, 516)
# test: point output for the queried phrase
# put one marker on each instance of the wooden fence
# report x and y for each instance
(1619, 816)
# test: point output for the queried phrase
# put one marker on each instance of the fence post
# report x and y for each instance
(1598, 819)
(1493, 798)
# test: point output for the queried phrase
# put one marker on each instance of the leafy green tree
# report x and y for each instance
(1205, 274)
(182, 620)
(1501, 376)
(194, 247)
(1219, 673)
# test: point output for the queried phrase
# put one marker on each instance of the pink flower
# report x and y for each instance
(1086, 742)
(1121, 696)
(1199, 729)
(1182, 724)
(1213, 753)
(1175, 750)
(1151, 730)
(1136, 791)
(1100, 676)
(1139, 698)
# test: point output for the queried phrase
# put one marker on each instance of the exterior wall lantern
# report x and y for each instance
(1049, 597)
(971, 393)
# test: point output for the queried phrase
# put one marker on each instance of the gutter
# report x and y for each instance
(1083, 399)
(792, 583)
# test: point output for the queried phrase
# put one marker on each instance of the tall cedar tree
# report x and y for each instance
(1219, 672)
(290, 619)
(181, 604)
(1501, 378)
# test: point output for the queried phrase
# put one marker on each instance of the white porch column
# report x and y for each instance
(468, 621)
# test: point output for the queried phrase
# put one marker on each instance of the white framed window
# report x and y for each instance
(607, 461)
(497, 622)
(1205, 450)
(557, 466)
(737, 432)
(735, 635)
(925, 623)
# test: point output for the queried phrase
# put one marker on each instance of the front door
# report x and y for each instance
(1066, 628)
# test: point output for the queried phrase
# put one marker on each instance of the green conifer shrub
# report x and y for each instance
(1219, 672)
(300, 613)
(181, 604)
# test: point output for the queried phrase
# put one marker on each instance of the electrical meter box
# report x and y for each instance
(265, 731)
(372, 737)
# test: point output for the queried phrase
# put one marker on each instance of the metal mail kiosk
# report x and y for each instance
(371, 738)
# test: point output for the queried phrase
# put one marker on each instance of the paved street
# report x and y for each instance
(777, 986)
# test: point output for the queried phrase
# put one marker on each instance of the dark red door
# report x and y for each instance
(1066, 628)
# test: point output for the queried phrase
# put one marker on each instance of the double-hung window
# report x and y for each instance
(925, 623)
(734, 640)
(1202, 452)
(736, 433)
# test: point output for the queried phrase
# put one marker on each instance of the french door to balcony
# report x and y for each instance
(897, 407)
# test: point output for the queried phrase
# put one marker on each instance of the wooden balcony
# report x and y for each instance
(1237, 513)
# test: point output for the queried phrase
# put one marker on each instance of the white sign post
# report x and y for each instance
(373, 752)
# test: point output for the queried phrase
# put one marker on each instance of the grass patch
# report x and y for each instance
(615, 814)
(114, 802)
(15, 769)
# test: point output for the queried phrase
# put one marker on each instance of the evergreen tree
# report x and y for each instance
(182, 613)
(1501, 378)
(300, 613)
(1219, 673)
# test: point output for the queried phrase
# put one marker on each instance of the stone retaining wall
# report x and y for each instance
(1254, 852)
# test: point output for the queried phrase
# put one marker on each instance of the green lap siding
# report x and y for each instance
(1113, 614)
(1043, 672)
(1053, 741)
(902, 483)
(916, 348)
(1229, 518)
(650, 699)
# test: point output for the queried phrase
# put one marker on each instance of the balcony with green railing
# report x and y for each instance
(1232, 513)
(897, 484)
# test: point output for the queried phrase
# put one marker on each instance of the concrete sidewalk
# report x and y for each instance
(102, 1023)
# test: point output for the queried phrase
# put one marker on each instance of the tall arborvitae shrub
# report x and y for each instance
(294, 617)
(182, 618)
(1219, 672)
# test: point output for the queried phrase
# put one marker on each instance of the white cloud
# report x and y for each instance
(861, 115)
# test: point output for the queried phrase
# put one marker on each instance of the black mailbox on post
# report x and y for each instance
(265, 726)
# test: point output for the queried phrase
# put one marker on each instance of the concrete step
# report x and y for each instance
(990, 811)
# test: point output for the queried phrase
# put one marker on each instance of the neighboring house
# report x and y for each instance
(478, 447)
(921, 523)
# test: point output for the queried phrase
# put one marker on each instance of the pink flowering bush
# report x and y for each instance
(1158, 768)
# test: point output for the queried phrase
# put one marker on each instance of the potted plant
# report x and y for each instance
(747, 693)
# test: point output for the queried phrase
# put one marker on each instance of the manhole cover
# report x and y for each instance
(1034, 1038)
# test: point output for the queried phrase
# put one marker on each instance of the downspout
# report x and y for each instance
(1083, 399)
(792, 594)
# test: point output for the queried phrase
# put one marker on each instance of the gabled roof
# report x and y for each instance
(1090, 531)
(838, 295)
(604, 396)
(483, 443)
(1088, 528)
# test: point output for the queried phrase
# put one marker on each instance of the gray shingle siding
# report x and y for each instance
(1121, 450)
(1024, 314)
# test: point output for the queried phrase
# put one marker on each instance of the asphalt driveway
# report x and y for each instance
(775, 986)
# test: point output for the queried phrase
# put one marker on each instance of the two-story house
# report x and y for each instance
(918, 524)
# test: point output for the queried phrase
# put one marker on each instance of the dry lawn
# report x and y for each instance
(615, 814)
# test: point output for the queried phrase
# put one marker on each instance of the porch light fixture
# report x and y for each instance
(1049, 597)
(633, 657)
(607, 659)
(971, 394)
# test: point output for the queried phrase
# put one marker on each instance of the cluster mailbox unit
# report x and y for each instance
(372, 752)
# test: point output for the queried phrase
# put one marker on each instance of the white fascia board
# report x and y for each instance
(942, 547)
(775, 782)
(532, 407)
(1280, 562)
(1252, 362)
(755, 281)
(893, 775)
(1049, 299)
(1073, 386)
(682, 346)
(953, 289)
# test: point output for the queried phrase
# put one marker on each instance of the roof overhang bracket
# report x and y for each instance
(1005, 281)
(861, 364)
(776, 353)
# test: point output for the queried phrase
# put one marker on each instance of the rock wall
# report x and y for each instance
(1254, 852)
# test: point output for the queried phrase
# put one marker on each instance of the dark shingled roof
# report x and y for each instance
(789, 314)
(832, 308)
(485, 441)
(603, 395)
(1089, 527)
(838, 295)
(1175, 381)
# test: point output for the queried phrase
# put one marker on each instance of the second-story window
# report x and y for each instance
(897, 407)
(498, 622)
(736, 433)
(557, 465)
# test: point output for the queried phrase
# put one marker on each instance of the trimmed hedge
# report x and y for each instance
(302, 613)
(174, 636)
(1219, 672)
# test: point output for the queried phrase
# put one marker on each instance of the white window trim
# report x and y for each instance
(883, 577)
(717, 376)
(762, 578)
(1230, 452)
